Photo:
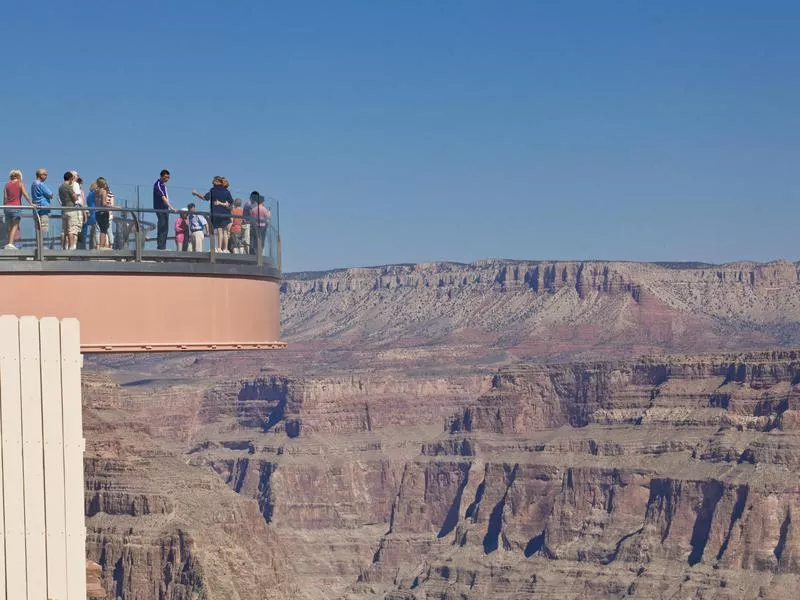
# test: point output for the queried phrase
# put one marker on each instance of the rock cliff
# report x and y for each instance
(413, 442)
(506, 310)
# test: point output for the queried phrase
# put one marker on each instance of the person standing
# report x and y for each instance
(104, 199)
(12, 196)
(80, 200)
(246, 208)
(161, 203)
(89, 232)
(221, 204)
(71, 218)
(42, 195)
(235, 239)
(259, 217)
(182, 230)
(198, 227)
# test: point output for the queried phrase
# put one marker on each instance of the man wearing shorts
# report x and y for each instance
(13, 193)
(72, 218)
(42, 195)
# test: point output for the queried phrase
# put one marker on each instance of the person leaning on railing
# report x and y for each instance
(13, 193)
(42, 195)
(162, 204)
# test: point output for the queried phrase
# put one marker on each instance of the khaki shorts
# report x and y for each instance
(44, 222)
(73, 222)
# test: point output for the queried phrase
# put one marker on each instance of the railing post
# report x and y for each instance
(137, 246)
(39, 240)
(259, 243)
(280, 261)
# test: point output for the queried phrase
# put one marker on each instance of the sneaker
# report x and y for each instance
(11, 247)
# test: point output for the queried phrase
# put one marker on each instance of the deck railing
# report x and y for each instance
(42, 235)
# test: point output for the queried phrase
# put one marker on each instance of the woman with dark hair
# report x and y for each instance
(221, 204)
(260, 217)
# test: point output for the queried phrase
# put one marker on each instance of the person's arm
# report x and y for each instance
(197, 194)
(5, 195)
(164, 198)
(25, 193)
(47, 192)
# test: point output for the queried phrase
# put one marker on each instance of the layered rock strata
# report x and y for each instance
(555, 310)
(650, 478)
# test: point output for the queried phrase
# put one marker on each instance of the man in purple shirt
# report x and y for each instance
(161, 203)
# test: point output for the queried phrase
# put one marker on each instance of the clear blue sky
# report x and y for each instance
(411, 131)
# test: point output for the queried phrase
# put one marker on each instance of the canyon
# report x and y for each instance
(504, 429)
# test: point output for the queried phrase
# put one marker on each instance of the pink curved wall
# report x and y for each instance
(120, 313)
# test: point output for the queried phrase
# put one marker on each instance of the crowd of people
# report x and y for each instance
(238, 227)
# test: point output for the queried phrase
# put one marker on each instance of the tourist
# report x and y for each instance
(198, 227)
(42, 195)
(90, 235)
(182, 230)
(80, 200)
(66, 196)
(221, 204)
(161, 203)
(104, 199)
(246, 208)
(12, 196)
(235, 240)
(259, 218)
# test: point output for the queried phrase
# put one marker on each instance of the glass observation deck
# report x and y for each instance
(128, 294)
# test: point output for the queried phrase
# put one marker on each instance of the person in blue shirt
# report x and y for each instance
(89, 229)
(198, 227)
(42, 195)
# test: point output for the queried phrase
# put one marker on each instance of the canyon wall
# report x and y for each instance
(545, 310)
(465, 431)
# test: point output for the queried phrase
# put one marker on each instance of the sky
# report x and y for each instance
(415, 131)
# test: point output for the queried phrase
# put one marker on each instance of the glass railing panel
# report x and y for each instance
(25, 238)
(250, 229)
(52, 229)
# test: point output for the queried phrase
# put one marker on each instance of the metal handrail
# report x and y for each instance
(140, 228)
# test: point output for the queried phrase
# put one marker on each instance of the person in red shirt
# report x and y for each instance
(12, 196)
(235, 242)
